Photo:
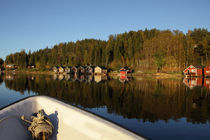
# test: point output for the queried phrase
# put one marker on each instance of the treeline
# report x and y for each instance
(1, 62)
(141, 50)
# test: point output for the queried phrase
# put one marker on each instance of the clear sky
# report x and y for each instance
(36, 24)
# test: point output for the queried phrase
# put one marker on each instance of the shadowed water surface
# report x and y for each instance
(155, 109)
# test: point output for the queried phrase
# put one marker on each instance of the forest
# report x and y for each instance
(157, 50)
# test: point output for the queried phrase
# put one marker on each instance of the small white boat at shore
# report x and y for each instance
(69, 122)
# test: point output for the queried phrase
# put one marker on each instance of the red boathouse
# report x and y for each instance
(193, 71)
(125, 71)
(207, 71)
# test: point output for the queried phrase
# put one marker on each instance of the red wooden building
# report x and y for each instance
(207, 71)
(125, 71)
(193, 71)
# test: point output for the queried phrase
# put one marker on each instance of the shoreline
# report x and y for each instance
(157, 75)
(29, 72)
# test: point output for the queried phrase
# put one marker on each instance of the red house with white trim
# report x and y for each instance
(207, 71)
(193, 71)
(125, 71)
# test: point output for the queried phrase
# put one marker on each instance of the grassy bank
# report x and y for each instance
(27, 71)
(152, 74)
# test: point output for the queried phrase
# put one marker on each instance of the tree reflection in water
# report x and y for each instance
(1, 80)
(147, 99)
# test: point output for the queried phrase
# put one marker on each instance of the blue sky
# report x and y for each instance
(36, 24)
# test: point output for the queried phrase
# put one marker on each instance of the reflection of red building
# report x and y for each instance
(193, 71)
(207, 71)
(123, 78)
(192, 82)
(207, 83)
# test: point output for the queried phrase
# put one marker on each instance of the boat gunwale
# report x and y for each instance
(85, 112)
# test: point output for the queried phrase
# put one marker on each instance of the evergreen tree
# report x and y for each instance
(1, 62)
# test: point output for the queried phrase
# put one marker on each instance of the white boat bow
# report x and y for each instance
(69, 122)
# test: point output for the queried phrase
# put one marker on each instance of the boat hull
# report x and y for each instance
(69, 122)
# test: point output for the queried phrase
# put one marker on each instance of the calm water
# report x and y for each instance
(155, 109)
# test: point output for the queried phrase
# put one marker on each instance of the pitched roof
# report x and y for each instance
(197, 67)
(125, 68)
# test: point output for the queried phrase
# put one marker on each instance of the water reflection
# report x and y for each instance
(1, 80)
(193, 82)
(207, 83)
(88, 78)
(149, 100)
(80, 78)
(123, 78)
(146, 106)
